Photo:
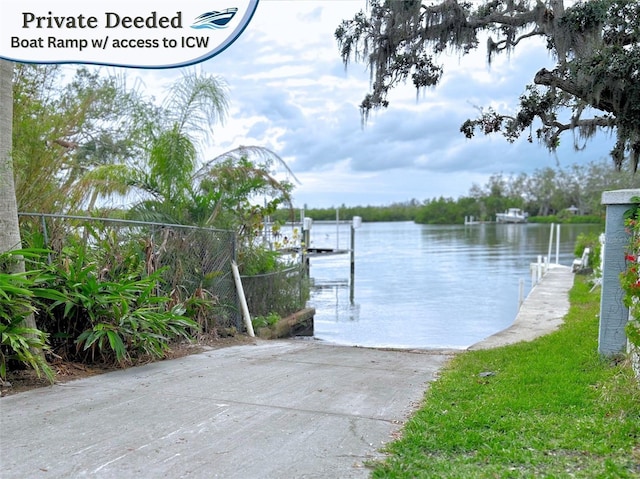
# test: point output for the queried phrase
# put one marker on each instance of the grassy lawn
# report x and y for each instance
(551, 408)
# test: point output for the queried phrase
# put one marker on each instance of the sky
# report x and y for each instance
(289, 91)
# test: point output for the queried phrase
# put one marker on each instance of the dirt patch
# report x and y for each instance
(25, 380)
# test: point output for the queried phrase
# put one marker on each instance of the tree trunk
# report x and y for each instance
(9, 231)
(9, 228)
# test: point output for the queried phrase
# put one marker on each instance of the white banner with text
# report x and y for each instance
(140, 33)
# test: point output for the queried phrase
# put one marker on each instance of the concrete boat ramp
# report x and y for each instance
(285, 408)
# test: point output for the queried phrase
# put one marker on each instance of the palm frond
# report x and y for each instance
(197, 102)
(267, 158)
(102, 181)
(153, 211)
(172, 160)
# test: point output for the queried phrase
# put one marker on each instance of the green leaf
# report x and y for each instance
(116, 344)
(46, 293)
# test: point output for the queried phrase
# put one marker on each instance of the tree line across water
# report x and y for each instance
(546, 195)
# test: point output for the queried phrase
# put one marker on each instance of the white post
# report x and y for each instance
(520, 293)
(601, 238)
(352, 262)
(558, 244)
(337, 228)
(539, 269)
(551, 239)
(243, 299)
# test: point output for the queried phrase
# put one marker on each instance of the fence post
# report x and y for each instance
(356, 222)
(301, 285)
(352, 264)
(557, 244)
(553, 225)
(45, 236)
(243, 300)
(614, 314)
(306, 243)
(234, 259)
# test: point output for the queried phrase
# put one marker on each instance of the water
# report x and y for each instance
(423, 286)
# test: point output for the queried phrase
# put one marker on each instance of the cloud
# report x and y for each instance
(289, 91)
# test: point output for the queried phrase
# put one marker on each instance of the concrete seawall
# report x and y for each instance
(541, 313)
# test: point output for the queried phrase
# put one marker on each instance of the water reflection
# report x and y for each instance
(337, 294)
(426, 286)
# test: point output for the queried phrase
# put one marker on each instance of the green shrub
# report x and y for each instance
(111, 320)
(259, 260)
(591, 241)
(265, 321)
(21, 296)
(630, 277)
(202, 306)
(24, 345)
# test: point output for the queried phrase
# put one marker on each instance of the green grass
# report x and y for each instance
(551, 408)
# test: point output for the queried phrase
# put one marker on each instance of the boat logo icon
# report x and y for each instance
(214, 20)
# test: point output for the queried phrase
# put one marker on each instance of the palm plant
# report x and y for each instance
(172, 188)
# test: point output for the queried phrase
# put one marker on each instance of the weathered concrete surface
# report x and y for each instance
(276, 409)
(279, 409)
(542, 312)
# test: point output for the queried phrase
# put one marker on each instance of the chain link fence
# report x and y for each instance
(281, 292)
(195, 262)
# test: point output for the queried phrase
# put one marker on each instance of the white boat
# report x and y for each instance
(512, 215)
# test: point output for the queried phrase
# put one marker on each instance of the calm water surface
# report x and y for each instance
(422, 286)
